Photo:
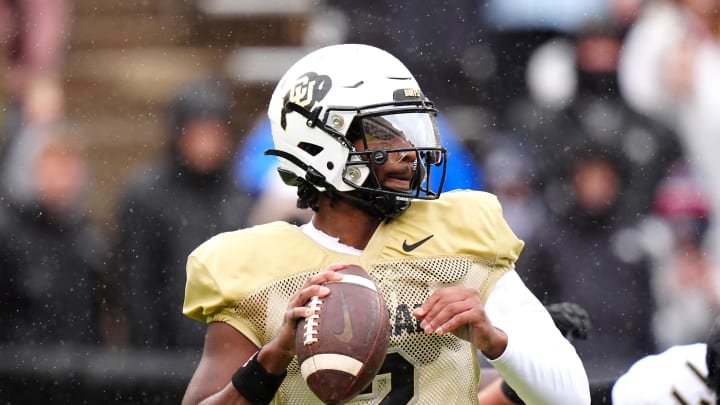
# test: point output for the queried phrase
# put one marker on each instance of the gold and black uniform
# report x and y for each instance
(245, 278)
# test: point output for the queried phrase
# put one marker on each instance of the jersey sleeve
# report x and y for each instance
(202, 293)
(206, 302)
(538, 363)
(239, 278)
(506, 242)
(481, 228)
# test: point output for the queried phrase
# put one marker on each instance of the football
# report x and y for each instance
(341, 347)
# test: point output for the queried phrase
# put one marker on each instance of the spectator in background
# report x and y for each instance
(172, 205)
(32, 34)
(686, 281)
(514, 29)
(435, 54)
(477, 51)
(574, 98)
(670, 70)
(590, 257)
(513, 178)
(51, 256)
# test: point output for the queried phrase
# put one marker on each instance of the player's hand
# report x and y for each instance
(314, 286)
(460, 311)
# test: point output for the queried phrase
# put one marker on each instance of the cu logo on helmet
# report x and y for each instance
(307, 90)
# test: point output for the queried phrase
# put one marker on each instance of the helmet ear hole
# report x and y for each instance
(311, 148)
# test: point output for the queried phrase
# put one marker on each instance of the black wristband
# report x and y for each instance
(511, 394)
(255, 383)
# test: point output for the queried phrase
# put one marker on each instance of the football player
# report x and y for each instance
(682, 374)
(355, 134)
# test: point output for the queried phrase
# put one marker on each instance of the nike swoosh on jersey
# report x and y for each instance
(413, 246)
(346, 335)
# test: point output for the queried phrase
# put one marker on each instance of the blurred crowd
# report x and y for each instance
(595, 123)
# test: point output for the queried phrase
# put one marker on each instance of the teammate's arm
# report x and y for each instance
(492, 394)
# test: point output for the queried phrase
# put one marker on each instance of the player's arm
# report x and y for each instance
(573, 322)
(539, 364)
(492, 394)
(231, 365)
(225, 351)
(232, 370)
(516, 333)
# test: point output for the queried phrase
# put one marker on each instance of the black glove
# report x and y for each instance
(571, 319)
(712, 358)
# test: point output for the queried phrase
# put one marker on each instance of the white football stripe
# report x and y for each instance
(330, 361)
(361, 281)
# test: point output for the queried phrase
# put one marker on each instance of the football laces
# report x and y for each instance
(311, 322)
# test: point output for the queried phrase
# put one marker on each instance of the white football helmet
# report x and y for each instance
(338, 94)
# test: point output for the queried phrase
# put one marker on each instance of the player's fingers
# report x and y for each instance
(426, 309)
(457, 325)
(474, 317)
(299, 308)
(430, 309)
(328, 275)
(297, 313)
(449, 317)
(336, 266)
(285, 337)
(314, 290)
(315, 287)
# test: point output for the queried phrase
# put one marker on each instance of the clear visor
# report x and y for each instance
(404, 132)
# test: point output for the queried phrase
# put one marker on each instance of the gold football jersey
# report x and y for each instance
(246, 277)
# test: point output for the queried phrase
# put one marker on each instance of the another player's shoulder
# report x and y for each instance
(674, 356)
(662, 378)
(667, 363)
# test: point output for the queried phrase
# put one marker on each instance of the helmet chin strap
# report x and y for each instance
(378, 205)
